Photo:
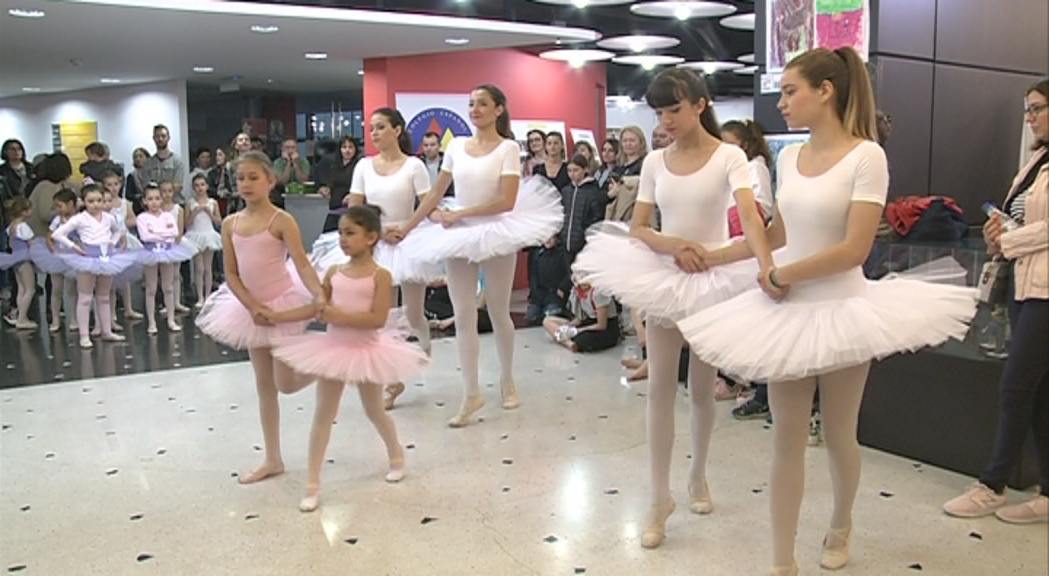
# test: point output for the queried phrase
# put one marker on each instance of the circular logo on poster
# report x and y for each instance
(442, 121)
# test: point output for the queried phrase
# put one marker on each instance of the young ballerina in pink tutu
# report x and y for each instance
(257, 242)
(47, 260)
(497, 216)
(356, 348)
(161, 252)
(96, 261)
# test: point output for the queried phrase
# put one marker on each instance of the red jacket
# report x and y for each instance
(904, 213)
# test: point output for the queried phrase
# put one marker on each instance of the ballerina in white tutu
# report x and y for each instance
(115, 204)
(163, 251)
(393, 180)
(203, 218)
(20, 260)
(816, 322)
(498, 216)
(668, 274)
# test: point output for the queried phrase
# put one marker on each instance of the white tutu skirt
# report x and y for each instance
(760, 340)
(133, 243)
(326, 253)
(45, 260)
(537, 216)
(100, 260)
(354, 355)
(155, 253)
(204, 240)
(628, 269)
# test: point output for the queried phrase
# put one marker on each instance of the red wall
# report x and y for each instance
(536, 89)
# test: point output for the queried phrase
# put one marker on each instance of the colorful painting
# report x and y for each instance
(790, 31)
(843, 23)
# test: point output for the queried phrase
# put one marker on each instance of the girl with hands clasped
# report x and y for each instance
(203, 218)
(816, 322)
(161, 252)
(668, 274)
(257, 243)
(356, 349)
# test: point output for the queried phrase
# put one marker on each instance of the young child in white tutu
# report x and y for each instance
(20, 259)
(257, 244)
(121, 209)
(47, 260)
(357, 347)
(498, 216)
(203, 218)
(162, 253)
(96, 260)
(816, 323)
(667, 274)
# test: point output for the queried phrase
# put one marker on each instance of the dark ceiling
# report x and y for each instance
(701, 38)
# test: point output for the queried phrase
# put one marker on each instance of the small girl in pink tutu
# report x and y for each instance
(357, 348)
(162, 252)
(257, 242)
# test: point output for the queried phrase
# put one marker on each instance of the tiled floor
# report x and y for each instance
(133, 475)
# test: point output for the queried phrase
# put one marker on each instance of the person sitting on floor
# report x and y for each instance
(595, 326)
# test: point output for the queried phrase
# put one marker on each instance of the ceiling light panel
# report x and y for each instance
(575, 56)
(583, 3)
(739, 21)
(712, 66)
(746, 58)
(648, 61)
(23, 13)
(683, 10)
(638, 42)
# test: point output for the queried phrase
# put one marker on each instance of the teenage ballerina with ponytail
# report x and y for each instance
(496, 216)
(816, 322)
(392, 180)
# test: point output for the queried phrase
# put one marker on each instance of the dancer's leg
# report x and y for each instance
(462, 290)
(791, 405)
(328, 394)
(58, 289)
(664, 349)
(167, 284)
(25, 277)
(414, 296)
(702, 378)
(150, 273)
(103, 289)
(371, 399)
(85, 285)
(269, 415)
(499, 286)
(198, 276)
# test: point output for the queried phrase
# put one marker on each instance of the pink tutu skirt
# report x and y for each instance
(155, 253)
(626, 268)
(226, 320)
(812, 332)
(537, 216)
(45, 260)
(354, 356)
(100, 260)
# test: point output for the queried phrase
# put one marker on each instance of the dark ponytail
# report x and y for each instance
(751, 138)
(502, 123)
(676, 84)
(396, 120)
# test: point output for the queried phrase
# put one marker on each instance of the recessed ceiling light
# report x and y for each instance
(683, 10)
(584, 3)
(577, 58)
(203, 69)
(711, 66)
(638, 42)
(316, 55)
(269, 81)
(648, 61)
(30, 89)
(110, 80)
(746, 58)
(265, 28)
(739, 22)
(360, 72)
(23, 13)
(457, 41)
(746, 71)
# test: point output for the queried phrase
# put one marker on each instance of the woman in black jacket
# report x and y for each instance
(584, 206)
(335, 185)
(554, 169)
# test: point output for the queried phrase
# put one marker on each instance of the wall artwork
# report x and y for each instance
(795, 26)
(72, 138)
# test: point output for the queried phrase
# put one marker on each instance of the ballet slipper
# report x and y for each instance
(116, 327)
(86, 343)
(836, 548)
(56, 327)
(311, 500)
(96, 332)
(132, 315)
(180, 309)
(701, 503)
(392, 392)
(267, 470)
(74, 327)
(640, 374)
(510, 400)
(174, 327)
(470, 405)
(199, 304)
(396, 471)
(26, 325)
(656, 525)
(111, 337)
(152, 330)
(791, 570)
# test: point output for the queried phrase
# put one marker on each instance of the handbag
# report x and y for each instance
(994, 281)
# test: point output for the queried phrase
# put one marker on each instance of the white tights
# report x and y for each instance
(462, 289)
(167, 272)
(272, 376)
(202, 264)
(25, 278)
(60, 288)
(791, 402)
(664, 353)
(414, 298)
(93, 288)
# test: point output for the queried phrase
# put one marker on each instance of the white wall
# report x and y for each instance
(643, 116)
(125, 116)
